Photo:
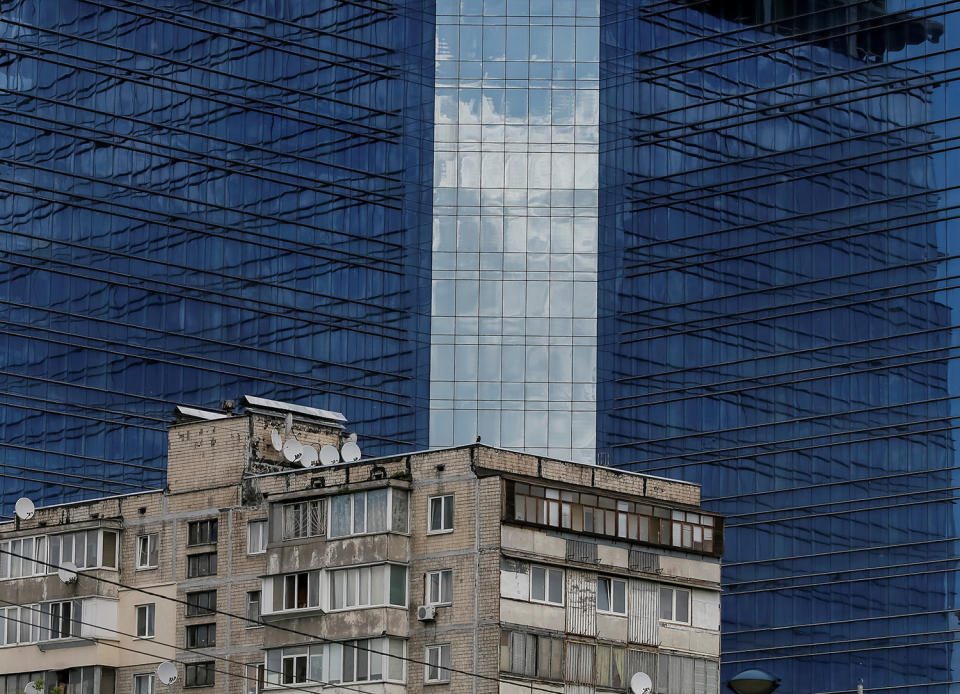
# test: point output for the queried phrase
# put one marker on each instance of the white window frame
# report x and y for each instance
(443, 500)
(260, 535)
(437, 658)
(674, 592)
(144, 543)
(254, 678)
(366, 513)
(46, 619)
(15, 546)
(354, 575)
(434, 579)
(151, 679)
(150, 616)
(610, 581)
(547, 570)
(313, 601)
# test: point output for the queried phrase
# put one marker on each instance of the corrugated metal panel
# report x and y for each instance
(578, 550)
(680, 675)
(644, 612)
(644, 561)
(578, 664)
(641, 661)
(581, 602)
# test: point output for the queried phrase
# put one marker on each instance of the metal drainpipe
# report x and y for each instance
(476, 566)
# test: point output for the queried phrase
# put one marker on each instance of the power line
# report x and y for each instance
(289, 630)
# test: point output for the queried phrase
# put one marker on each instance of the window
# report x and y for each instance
(201, 635)
(546, 585)
(202, 532)
(304, 519)
(674, 605)
(601, 515)
(202, 564)
(253, 609)
(198, 674)
(147, 551)
(59, 620)
(579, 663)
(611, 595)
(611, 662)
(88, 549)
(144, 684)
(531, 655)
(364, 660)
(26, 558)
(367, 586)
(439, 587)
(362, 512)
(440, 514)
(202, 602)
(301, 591)
(145, 620)
(20, 625)
(257, 537)
(437, 663)
(253, 678)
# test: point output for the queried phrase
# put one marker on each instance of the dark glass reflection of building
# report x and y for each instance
(775, 318)
(201, 200)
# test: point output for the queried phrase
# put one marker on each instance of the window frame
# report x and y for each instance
(311, 604)
(207, 555)
(44, 619)
(208, 671)
(207, 629)
(262, 534)
(150, 677)
(209, 537)
(611, 595)
(333, 577)
(150, 616)
(257, 679)
(428, 584)
(674, 590)
(443, 500)
(546, 585)
(366, 513)
(144, 541)
(259, 602)
(443, 670)
(194, 609)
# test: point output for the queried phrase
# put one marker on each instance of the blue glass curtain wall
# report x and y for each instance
(200, 200)
(776, 316)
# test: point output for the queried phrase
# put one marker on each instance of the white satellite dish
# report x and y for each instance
(292, 450)
(276, 440)
(641, 683)
(67, 573)
(167, 672)
(309, 457)
(350, 452)
(329, 455)
(288, 423)
(24, 508)
(31, 688)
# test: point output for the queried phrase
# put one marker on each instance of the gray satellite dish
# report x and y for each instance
(350, 452)
(67, 573)
(641, 683)
(309, 457)
(292, 450)
(167, 672)
(276, 440)
(288, 423)
(24, 508)
(31, 688)
(329, 455)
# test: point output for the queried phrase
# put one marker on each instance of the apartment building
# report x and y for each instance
(265, 563)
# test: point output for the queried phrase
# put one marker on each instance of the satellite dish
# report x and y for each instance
(350, 452)
(352, 437)
(276, 440)
(641, 683)
(167, 672)
(31, 688)
(292, 450)
(24, 508)
(309, 457)
(288, 423)
(67, 573)
(329, 455)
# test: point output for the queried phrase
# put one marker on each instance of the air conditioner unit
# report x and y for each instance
(427, 613)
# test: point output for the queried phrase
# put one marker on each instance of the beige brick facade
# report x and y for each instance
(229, 470)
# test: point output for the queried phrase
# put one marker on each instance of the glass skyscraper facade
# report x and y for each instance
(698, 239)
